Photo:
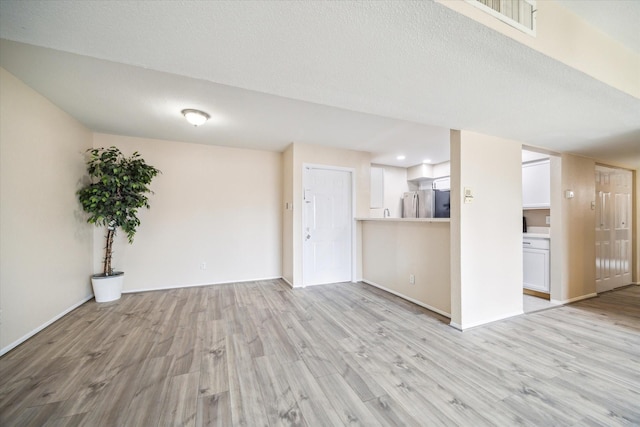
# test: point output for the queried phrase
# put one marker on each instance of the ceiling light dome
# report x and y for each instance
(195, 117)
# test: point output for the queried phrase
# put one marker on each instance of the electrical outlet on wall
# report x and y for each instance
(412, 279)
(203, 265)
(547, 219)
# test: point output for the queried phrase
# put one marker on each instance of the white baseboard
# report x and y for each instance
(484, 322)
(455, 326)
(196, 285)
(570, 300)
(41, 327)
(415, 301)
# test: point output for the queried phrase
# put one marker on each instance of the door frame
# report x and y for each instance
(353, 258)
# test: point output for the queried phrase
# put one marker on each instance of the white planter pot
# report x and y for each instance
(107, 288)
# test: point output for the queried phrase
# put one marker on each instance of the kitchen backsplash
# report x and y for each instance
(536, 217)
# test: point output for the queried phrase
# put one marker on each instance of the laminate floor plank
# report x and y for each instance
(146, 403)
(346, 402)
(179, 407)
(362, 382)
(37, 416)
(456, 408)
(244, 390)
(71, 421)
(280, 403)
(116, 396)
(276, 341)
(314, 404)
(390, 413)
(263, 354)
(317, 357)
(214, 410)
(214, 373)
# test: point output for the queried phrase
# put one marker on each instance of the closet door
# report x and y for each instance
(613, 228)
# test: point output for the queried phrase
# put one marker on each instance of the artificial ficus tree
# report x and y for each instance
(118, 188)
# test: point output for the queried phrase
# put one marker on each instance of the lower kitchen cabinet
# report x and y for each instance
(536, 264)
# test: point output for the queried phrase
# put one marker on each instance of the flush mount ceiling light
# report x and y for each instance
(426, 161)
(195, 117)
(401, 157)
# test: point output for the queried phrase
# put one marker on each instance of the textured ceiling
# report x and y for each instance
(405, 64)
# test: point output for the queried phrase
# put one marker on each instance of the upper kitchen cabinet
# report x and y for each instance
(536, 185)
(442, 183)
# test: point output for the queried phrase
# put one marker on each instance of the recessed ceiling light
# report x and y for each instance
(195, 117)
(426, 161)
(401, 157)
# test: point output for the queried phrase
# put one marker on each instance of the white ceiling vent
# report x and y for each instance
(519, 14)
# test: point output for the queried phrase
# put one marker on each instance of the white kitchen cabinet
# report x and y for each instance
(442, 183)
(535, 264)
(536, 185)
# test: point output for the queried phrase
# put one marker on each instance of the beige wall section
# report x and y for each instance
(564, 36)
(536, 217)
(488, 231)
(287, 216)
(395, 185)
(359, 161)
(576, 236)
(214, 205)
(392, 250)
(455, 142)
(636, 228)
(45, 248)
(556, 245)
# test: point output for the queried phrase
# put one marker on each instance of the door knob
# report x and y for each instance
(308, 236)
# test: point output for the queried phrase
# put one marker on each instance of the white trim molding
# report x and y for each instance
(196, 285)
(415, 301)
(44, 325)
(574, 299)
(484, 322)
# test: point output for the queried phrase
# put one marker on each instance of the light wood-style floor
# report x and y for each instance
(261, 354)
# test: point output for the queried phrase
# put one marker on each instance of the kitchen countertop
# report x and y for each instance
(405, 219)
(536, 235)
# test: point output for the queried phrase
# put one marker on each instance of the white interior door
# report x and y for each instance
(613, 228)
(327, 226)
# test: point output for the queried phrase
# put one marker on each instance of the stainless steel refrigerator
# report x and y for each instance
(417, 204)
(442, 203)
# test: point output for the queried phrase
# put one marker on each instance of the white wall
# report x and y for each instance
(216, 205)
(486, 246)
(45, 248)
(395, 185)
(392, 250)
